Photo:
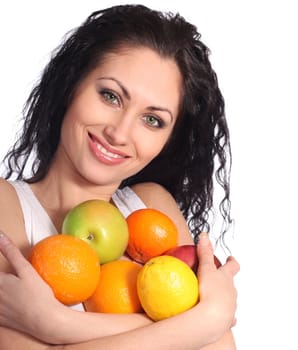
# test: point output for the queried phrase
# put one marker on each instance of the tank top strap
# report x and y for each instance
(38, 224)
(127, 201)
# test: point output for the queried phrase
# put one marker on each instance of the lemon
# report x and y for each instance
(166, 287)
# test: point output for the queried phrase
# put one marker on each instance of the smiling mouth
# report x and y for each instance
(105, 151)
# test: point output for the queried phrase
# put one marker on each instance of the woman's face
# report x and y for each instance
(121, 116)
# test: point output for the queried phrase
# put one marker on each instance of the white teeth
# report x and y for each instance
(106, 152)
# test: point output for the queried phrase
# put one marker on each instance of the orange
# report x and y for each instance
(151, 233)
(117, 289)
(69, 265)
(166, 287)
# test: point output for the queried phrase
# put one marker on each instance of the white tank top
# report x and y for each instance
(38, 224)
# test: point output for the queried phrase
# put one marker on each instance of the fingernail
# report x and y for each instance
(203, 239)
(1, 234)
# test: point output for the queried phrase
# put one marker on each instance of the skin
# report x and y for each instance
(126, 102)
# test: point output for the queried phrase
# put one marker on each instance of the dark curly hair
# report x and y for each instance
(199, 148)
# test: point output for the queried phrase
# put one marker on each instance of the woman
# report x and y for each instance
(128, 106)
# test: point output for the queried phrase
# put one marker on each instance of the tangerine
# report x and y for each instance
(166, 287)
(151, 233)
(69, 265)
(117, 289)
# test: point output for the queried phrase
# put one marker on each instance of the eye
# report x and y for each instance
(153, 121)
(110, 97)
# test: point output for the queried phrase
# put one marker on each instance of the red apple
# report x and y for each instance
(188, 254)
(101, 225)
(217, 262)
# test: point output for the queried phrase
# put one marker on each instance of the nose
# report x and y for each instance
(119, 133)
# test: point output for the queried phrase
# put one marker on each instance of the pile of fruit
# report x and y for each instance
(84, 263)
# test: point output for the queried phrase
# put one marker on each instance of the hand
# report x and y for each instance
(218, 296)
(24, 296)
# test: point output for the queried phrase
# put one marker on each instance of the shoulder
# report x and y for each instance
(5, 187)
(153, 194)
(157, 197)
(8, 196)
(11, 215)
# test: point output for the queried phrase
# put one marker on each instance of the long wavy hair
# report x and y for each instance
(198, 151)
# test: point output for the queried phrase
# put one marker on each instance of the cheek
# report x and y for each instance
(71, 136)
(67, 129)
(148, 148)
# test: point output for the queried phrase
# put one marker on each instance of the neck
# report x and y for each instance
(60, 191)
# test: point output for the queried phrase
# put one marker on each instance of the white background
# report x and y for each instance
(254, 51)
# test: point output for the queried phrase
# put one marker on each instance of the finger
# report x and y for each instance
(205, 252)
(13, 255)
(231, 266)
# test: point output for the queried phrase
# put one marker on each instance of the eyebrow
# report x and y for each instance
(127, 95)
(124, 90)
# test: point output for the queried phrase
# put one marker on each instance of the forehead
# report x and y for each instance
(131, 61)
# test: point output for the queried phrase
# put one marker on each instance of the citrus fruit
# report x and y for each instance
(69, 265)
(117, 289)
(151, 233)
(166, 287)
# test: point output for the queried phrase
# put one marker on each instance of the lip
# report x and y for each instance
(104, 153)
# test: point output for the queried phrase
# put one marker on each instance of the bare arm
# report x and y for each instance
(12, 340)
(95, 328)
(205, 323)
(85, 326)
(47, 313)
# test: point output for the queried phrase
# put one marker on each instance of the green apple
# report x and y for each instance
(100, 224)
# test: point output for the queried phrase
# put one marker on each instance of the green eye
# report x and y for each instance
(153, 121)
(110, 97)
